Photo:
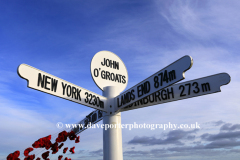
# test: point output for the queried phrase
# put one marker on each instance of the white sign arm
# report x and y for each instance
(50, 84)
(189, 89)
(93, 118)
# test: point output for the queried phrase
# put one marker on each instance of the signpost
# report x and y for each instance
(110, 74)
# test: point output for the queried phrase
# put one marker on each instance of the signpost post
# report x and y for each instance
(110, 74)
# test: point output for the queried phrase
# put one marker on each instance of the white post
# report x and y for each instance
(112, 137)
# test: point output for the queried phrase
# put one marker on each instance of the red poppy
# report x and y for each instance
(45, 155)
(10, 156)
(60, 157)
(62, 136)
(13, 156)
(72, 150)
(65, 150)
(60, 146)
(26, 152)
(42, 142)
(71, 135)
(54, 148)
(31, 157)
(77, 139)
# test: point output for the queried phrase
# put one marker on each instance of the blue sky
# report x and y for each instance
(60, 37)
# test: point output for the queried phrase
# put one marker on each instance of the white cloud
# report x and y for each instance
(217, 19)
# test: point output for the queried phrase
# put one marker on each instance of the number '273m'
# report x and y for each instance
(196, 88)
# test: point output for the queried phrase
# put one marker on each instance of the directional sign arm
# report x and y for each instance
(163, 78)
(88, 121)
(50, 84)
(189, 89)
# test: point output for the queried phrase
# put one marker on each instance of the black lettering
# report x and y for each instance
(119, 105)
(111, 63)
(156, 83)
(168, 92)
(120, 78)
(123, 79)
(157, 95)
(140, 90)
(117, 65)
(205, 87)
(132, 95)
(183, 88)
(101, 103)
(95, 72)
(89, 118)
(94, 117)
(141, 101)
(98, 102)
(78, 94)
(90, 95)
(127, 97)
(172, 75)
(196, 91)
(112, 76)
(116, 78)
(47, 82)
(94, 100)
(86, 100)
(143, 88)
(151, 100)
(64, 86)
(74, 92)
(41, 80)
(103, 74)
(145, 100)
(108, 75)
(164, 96)
(161, 79)
(103, 63)
(69, 90)
(146, 87)
(107, 62)
(54, 84)
(165, 76)
(189, 88)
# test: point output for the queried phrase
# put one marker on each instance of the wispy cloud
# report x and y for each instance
(208, 144)
(204, 19)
